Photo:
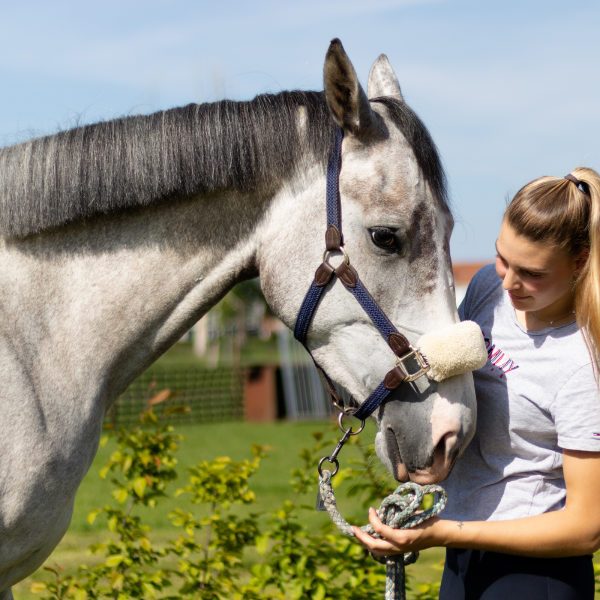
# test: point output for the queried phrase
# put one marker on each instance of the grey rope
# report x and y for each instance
(399, 511)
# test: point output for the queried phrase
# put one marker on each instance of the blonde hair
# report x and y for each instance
(558, 211)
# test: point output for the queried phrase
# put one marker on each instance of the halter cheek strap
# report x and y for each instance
(410, 364)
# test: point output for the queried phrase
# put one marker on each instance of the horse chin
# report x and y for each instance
(427, 476)
(420, 476)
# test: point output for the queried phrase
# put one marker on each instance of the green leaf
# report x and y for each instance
(120, 495)
(262, 544)
(38, 587)
(92, 516)
(139, 486)
(79, 594)
(115, 560)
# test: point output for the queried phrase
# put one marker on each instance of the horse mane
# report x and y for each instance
(137, 161)
(197, 149)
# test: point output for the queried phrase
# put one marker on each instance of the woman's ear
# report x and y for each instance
(581, 260)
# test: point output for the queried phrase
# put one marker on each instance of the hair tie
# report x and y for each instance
(582, 186)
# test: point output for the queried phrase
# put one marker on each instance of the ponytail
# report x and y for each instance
(565, 211)
(587, 290)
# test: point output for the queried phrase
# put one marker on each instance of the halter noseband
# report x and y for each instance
(410, 364)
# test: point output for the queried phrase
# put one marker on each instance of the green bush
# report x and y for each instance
(220, 556)
(220, 552)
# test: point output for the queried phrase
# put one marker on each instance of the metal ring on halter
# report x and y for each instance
(333, 461)
(337, 404)
(328, 253)
(350, 430)
(420, 359)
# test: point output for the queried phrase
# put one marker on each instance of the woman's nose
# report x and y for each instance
(510, 281)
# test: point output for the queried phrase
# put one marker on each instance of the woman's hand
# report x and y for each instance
(571, 531)
(398, 541)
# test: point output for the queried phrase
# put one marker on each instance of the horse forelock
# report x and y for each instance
(179, 153)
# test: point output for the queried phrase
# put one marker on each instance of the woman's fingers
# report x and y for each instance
(383, 530)
(391, 541)
(377, 546)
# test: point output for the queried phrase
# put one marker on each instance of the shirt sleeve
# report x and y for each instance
(484, 282)
(465, 305)
(576, 411)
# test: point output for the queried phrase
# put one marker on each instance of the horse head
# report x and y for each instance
(396, 227)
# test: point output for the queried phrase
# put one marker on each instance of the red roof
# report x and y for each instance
(464, 271)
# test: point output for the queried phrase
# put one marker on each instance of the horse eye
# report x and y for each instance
(385, 238)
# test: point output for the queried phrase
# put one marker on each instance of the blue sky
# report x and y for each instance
(509, 89)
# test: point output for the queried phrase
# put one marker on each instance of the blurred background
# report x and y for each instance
(508, 89)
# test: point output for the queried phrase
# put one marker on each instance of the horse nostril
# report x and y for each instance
(392, 446)
(446, 449)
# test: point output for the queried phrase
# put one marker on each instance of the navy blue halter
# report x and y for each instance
(326, 274)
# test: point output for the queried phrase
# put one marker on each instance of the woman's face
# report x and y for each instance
(538, 276)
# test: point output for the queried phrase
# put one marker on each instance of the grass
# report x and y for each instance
(254, 352)
(203, 442)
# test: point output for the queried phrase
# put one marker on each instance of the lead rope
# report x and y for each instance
(399, 510)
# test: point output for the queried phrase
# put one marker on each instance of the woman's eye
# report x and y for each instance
(532, 274)
(385, 238)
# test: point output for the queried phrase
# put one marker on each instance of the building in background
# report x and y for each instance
(463, 273)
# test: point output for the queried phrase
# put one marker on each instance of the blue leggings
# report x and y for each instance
(477, 575)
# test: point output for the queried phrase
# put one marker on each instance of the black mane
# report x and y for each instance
(196, 149)
(140, 160)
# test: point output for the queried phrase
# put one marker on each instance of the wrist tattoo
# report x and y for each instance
(460, 525)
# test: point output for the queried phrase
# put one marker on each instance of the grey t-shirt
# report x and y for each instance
(536, 395)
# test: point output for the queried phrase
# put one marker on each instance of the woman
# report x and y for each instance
(523, 516)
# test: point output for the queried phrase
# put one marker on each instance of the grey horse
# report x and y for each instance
(116, 237)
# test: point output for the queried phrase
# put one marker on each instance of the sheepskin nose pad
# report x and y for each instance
(453, 350)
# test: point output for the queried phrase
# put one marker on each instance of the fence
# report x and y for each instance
(195, 394)
(303, 391)
(185, 394)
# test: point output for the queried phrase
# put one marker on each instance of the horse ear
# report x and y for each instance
(383, 80)
(345, 97)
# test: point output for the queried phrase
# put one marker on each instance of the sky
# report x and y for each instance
(508, 89)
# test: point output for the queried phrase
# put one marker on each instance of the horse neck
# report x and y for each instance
(104, 300)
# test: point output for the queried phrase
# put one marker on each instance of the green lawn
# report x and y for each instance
(254, 352)
(271, 485)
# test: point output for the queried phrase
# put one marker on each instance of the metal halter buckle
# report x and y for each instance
(341, 250)
(417, 360)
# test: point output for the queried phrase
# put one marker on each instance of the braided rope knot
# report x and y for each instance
(400, 510)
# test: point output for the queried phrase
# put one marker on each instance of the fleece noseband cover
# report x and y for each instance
(453, 350)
